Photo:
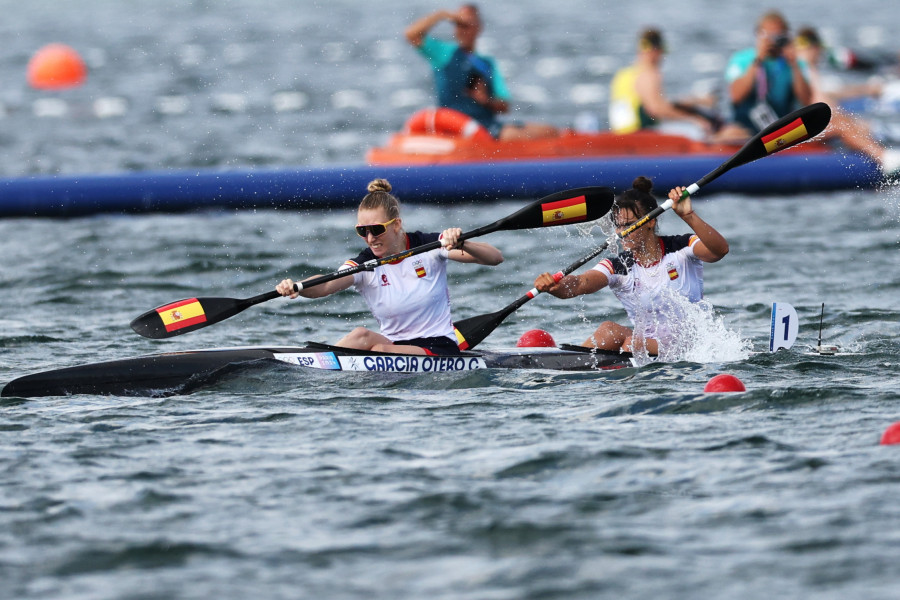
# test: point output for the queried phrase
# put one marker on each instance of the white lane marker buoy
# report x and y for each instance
(785, 326)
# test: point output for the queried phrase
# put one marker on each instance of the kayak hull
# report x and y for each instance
(183, 372)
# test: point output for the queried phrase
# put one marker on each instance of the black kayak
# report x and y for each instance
(173, 373)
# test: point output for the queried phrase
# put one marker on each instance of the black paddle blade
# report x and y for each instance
(185, 316)
(472, 331)
(789, 130)
(570, 206)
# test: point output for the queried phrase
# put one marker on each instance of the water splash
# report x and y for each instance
(604, 224)
(607, 230)
(692, 331)
(695, 333)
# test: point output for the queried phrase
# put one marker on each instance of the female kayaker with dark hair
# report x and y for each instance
(648, 274)
(410, 298)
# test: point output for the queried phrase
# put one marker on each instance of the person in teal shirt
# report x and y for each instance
(467, 81)
(768, 81)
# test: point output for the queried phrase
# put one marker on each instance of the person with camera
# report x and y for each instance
(767, 81)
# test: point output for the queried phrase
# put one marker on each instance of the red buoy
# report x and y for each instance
(56, 66)
(724, 383)
(891, 435)
(536, 338)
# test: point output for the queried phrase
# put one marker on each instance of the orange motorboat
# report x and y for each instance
(444, 136)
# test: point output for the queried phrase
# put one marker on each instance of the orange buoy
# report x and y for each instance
(536, 338)
(449, 122)
(724, 383)
(891, 435)
(55, 67)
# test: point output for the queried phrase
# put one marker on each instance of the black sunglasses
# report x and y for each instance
(376, 229)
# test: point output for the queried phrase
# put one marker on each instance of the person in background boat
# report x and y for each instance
(768, 81)
(647, 273)
(466, 81)
(812, 50)
(637, 99)
(410, 298)
(853, 132)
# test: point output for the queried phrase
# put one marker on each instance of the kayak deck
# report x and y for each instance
(174, 373)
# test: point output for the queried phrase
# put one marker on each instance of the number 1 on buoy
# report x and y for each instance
(785, 326)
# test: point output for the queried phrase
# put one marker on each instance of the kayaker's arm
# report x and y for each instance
(571, 286)
(712, 246)
(469, 251)
(477, 252)
(286, 287)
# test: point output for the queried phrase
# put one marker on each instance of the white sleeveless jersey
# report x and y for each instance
(409, 299)
(650, 295)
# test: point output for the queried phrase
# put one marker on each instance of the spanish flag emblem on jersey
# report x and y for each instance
(420, 269)
(793, 132)
(181, 314)
(673, 273)
(571, 210)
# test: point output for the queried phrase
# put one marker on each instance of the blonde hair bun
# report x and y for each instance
(379, 185)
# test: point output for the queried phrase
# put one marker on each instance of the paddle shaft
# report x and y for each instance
(557, 277)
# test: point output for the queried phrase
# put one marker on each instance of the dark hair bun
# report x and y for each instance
(642, 184)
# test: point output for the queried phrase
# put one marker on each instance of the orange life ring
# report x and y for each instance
(446, 121)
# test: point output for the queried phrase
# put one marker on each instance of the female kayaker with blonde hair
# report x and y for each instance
(410, 298)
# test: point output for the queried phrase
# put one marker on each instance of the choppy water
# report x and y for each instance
(484, 485)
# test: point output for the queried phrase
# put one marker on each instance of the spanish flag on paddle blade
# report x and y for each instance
(460, 339)
(790, 134)
(570, 210)
(181, 314)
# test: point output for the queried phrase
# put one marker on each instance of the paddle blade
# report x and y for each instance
(472, 331)
(570, 206)
(185, 316)
(790, 130)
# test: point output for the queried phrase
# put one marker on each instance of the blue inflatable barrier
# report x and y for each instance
(338, 186)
